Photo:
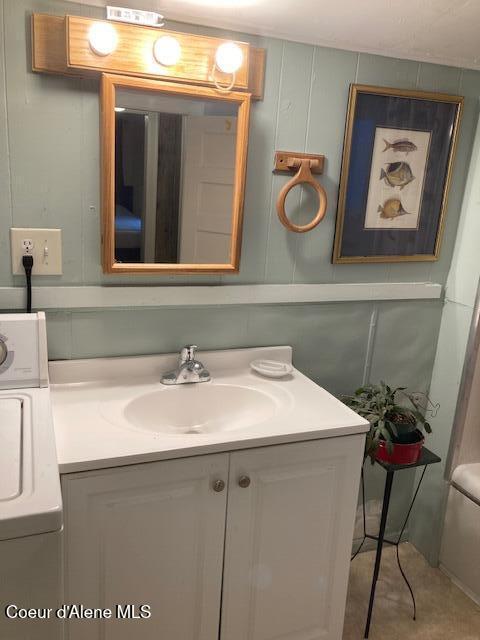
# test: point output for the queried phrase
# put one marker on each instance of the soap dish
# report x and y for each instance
(271, 368)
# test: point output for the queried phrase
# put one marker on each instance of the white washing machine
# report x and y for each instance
(30, 496)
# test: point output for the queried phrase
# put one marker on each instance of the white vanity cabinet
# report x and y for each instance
(265, 557)
(147, 534)
(289, 539)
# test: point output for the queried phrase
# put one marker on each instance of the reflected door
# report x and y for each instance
(208, 179)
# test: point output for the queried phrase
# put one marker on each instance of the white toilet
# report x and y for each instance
(460, 552)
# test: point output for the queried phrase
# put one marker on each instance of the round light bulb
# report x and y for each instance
(102, 38)
(167, 51)
(229, 57)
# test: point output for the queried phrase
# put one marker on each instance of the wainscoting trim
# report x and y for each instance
(98, 297)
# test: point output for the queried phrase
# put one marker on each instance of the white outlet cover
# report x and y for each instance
(45, 263)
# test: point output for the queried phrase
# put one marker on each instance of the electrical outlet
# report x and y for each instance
(45, 245)
(27, 246)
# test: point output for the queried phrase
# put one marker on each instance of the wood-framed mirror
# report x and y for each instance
(173, 176)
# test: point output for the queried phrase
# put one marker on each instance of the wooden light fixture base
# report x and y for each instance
(60, 45)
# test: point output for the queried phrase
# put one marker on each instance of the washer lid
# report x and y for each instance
(10, 448)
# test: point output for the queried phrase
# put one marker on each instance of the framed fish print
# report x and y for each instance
(396, 169)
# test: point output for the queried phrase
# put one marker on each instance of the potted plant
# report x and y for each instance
(396, 431)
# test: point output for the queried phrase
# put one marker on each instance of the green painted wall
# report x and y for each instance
(49, 176)
(49, 131)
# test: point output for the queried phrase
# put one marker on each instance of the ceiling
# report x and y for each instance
(441, 31)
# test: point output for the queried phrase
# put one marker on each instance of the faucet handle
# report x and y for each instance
(187, 354)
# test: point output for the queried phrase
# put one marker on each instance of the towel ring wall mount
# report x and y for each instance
(305, 164)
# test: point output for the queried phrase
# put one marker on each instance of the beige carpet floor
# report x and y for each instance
(444, 612)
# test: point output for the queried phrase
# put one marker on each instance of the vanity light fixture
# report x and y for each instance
(119, 109)
(103, 38)
(228, 59)
(73, 45)
(167, 51)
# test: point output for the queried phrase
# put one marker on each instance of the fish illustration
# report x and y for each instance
(397, 174)
(392, 208)
(403, 145)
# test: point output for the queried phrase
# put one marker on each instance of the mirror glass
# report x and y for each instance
(174, 178)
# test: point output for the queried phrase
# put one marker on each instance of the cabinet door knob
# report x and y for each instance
(244, 482)
(218, 485)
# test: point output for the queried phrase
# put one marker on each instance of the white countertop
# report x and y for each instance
(91, 434)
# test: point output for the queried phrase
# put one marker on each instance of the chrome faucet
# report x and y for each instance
(189, 369)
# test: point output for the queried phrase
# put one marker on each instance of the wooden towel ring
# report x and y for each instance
(303, 176)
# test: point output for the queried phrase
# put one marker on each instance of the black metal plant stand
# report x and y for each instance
(426, 458)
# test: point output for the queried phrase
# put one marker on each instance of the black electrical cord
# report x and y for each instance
(27, 262)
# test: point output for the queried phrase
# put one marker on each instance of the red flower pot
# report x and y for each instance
(401, 453)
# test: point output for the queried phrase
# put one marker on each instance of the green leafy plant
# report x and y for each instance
(389, 419)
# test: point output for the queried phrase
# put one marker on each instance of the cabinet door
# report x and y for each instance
(147, 534)
(288, 540)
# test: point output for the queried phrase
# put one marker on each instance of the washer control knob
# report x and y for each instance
(3, 352)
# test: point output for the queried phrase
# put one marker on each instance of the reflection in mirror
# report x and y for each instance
(174, 178)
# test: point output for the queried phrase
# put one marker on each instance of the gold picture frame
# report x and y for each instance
(432, 120)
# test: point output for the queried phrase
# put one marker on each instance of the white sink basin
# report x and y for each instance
(199, 409)
(114, 411)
